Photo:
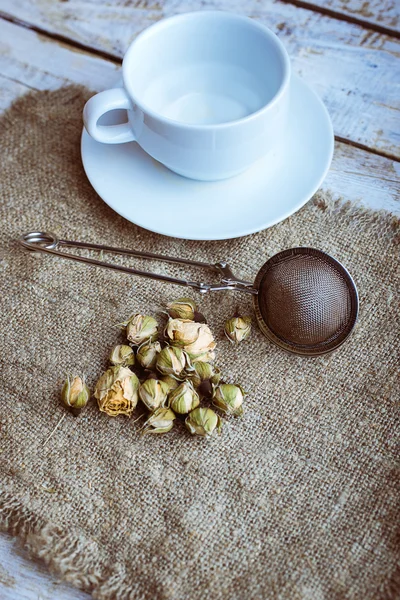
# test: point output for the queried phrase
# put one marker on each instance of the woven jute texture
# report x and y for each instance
(299, 499)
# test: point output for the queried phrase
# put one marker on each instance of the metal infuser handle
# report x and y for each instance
(39, 241)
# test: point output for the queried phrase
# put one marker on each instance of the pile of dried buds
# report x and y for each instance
(173, 375)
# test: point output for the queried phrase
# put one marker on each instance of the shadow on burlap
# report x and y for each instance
(297, 500)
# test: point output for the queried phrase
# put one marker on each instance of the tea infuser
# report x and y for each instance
(305, 301)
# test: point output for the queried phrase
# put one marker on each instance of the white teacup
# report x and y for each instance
(207, 94)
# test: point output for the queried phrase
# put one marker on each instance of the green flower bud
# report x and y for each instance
(204, 371)
(183, 399)
(75, 393)
(122, 355)
(203, 421)
(147, 354)
(171, 382)
(229, 399)
(117, 391)
(237, 329)
(182, 308)
(153, 393)
(140, 329)
(171, 361)
(161, 421)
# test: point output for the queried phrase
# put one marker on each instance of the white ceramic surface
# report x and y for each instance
(150, 195)
(207, 94)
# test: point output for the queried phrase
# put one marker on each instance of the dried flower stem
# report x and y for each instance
(54, 430)
(138, 419)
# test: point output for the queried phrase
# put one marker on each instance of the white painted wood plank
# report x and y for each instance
(360, 176)
(39, 63)
(23, 579)
(356, 71)
(378, 12)
(9, 90)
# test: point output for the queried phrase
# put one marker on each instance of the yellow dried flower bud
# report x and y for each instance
(153, 393)
(171, 361)
(182, 308)
(122, 355)
(117, 391)
(195, 339)
(75, 393)
(237, 329)
(203, 421)
(229, 399)
(141, 328)
(147, 354)
(161, 421)
(183, 399)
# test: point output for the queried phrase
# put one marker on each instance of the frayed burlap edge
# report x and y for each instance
(69, 555)
(77, 560)
(389, 222)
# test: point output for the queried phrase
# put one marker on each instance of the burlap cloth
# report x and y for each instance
(299, 499)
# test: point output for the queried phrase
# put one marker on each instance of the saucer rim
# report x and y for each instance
(251, 230)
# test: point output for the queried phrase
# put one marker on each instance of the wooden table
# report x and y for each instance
(347, 50)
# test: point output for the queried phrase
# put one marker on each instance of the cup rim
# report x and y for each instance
(163, 23)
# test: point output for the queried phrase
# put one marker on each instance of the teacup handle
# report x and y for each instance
(102, 103)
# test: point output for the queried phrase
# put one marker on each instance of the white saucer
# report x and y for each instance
(150, 195)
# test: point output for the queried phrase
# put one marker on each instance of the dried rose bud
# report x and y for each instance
(117, 391)
(171, 361)
(75, 393)
(161, 421)
(203, 421)
(194, 338)
(140, 329)
(171, 382)
(204, 371)
(229, 399)
(183, 399)
(147, 354)
(122, 355)
(182, 308)
(153, 394)
(237, 329)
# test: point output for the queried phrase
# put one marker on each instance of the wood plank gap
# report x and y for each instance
(344, 17)
(61, 38)
(367, 148)
(8, 78)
